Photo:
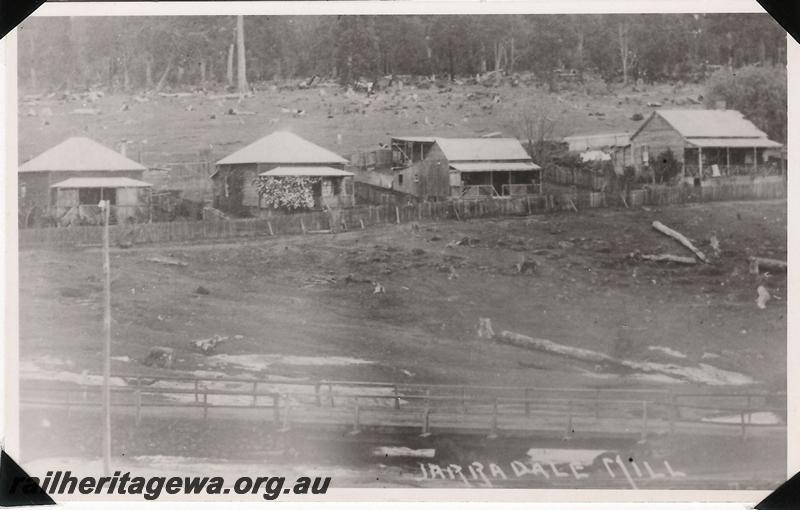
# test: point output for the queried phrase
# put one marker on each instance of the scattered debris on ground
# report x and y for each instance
(763, 297)
(162, 357)
(666, 257)
(169, 261)
(681, 239)
(208, 346)
(757, 263)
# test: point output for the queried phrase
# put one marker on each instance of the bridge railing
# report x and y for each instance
(492, 407)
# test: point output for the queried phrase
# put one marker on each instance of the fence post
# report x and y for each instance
(302, 226)
(744, 427)
(269, 226)
(397, 214)
(673, 412)
(287, 423)
(493, 431)
(569, 431)
(205, 405)
(361, 220)
(255, 392)
(426, 421)
(317, 398)
(356, 419)
(527, 402)
(597, 404)
(644, 422)
(138, 407)
(330, 393)
(464, 399)
(276, 408)
(396, 398)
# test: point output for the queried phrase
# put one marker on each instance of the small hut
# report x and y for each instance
(241, 177)
(83, 164)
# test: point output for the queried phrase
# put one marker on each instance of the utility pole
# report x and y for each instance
(106, 206)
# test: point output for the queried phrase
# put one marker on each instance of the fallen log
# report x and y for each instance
(681, 239)
(169, 261)
(757, 263)
(666, 257)
(700, 373)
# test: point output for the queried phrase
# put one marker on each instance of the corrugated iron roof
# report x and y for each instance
(511, 166)
(733, 142)
(101, 182)
(711, 124)
(482, 149)
(282, 147)
(305, 171)
(79, 153)
(418, 139)
(597, 141)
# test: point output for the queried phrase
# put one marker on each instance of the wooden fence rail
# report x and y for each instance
(457, 409)
(363, 217)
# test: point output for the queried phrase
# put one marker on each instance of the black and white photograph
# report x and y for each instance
(402, 251)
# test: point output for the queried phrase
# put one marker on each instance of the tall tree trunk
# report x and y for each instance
(229, 73)
(148, 72)
(510, 63)
(163, 80)
(126, 75)
(579, 56)
(241, 64)
(623, 50)
(202, 71)
(483, 59)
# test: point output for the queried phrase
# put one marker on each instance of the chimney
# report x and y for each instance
(720, 104)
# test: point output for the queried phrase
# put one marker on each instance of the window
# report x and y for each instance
(645, 155)
(400, 179)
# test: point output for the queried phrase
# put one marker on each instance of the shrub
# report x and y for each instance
(665, 166)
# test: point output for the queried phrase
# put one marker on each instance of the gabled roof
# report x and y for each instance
(707, 124)
(282, 147)
(101, 182)
(79, 153)
(305, 171)
(482, 149)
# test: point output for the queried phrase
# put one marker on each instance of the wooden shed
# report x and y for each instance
(433, 168)
(77, 157)
(235, 180)
(707, 143)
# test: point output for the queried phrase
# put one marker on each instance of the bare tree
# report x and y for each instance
(536, 126)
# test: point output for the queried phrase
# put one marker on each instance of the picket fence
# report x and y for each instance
(364, 217)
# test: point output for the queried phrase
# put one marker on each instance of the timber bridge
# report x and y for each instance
(490, 411)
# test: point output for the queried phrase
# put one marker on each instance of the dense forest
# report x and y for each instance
(130, 53)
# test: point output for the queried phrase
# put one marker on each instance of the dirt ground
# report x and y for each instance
(314, 296)
(170, 129)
